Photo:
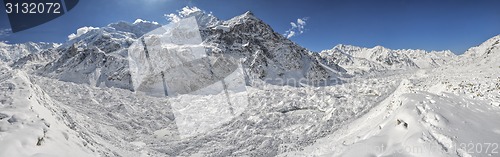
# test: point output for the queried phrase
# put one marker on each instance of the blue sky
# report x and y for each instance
(416, 24)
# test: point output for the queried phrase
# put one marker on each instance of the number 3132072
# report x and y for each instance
(33, 8)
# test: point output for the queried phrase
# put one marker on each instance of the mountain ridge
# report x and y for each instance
(378, 58)
(13, 52)
(265, 54)
(98, 56)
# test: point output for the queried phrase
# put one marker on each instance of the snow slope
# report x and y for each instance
(484, 54)
(32, 123)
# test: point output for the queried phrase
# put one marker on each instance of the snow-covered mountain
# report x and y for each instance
(483, 54)
(267, 54)
(97, 56)
(12, 52)
(432, 59)
(50, 105)
(360, 59)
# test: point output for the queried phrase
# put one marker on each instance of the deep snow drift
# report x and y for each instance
(82, 98)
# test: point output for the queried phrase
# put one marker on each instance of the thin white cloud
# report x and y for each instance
(172, 17)
(301, 22)
(5, 32)
(297, 28)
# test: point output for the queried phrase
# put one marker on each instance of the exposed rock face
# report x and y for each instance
(97, 57)
(267, 54)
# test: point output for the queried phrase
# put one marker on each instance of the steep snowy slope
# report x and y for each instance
(32, 123)
(484, 54)
(12, 52)
(360, 60)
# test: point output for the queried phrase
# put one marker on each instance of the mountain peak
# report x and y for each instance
(345, 46)
(381, 48)
(340, 46)
(139, 27)
(243, 18)
(248, 13)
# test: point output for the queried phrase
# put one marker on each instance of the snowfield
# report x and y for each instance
(77, 99)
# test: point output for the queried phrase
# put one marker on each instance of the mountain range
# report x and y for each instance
(97, 56)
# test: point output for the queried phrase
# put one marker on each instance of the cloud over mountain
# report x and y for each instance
(297, 27)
